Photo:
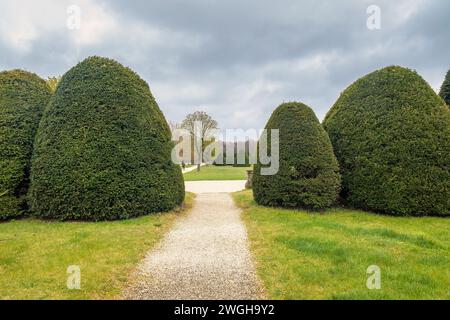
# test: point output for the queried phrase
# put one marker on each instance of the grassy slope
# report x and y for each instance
(34, 255)
(217, 173)
(304, 255)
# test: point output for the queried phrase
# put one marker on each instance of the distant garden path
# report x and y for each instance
(204, 256)
(192, 168)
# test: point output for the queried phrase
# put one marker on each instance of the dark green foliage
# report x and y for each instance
(391, 135)
(23, 97)
(445, 89)
(308, 175)
(103, 149)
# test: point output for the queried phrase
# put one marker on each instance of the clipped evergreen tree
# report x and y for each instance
(308, 175)
(23, 97)
(103, 149)
(445, 89)
(391, 135)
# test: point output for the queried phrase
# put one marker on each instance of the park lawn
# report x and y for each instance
(304, 255)
(35, 254)
(211, 172)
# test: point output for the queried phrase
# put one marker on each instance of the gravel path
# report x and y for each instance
(204, 256)
(194, 167)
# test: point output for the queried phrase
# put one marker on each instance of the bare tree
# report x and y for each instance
(200, 125)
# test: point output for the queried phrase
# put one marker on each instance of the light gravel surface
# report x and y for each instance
(194, 167)
(204, 256)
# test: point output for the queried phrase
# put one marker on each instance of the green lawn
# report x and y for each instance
(303, 255)
(217, 173)
(34, 255)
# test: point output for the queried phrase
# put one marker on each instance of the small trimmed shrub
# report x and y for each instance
(103, 150)
(308, 175)
(445, 89)
(23, 97)
(391, 135)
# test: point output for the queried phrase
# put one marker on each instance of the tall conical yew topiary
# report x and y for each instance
(391, 135)
(445, 89)
(103, 150)
(23, 97)
(308, 175)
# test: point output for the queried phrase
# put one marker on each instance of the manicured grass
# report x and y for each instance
(304, 255)
(34, 255)
(217, 173)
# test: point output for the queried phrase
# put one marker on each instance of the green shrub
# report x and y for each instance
(103, 148)
(23, 97)
(391, 135)
(308, 174)
(445, 89)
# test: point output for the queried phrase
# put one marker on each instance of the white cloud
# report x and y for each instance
(24, 22)
(18, 24)
(96, 24)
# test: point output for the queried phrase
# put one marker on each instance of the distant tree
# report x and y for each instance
(234, 148)
(200, 125)
(445, 89)
(52, 82)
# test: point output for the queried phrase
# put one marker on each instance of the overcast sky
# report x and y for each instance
(237, 60)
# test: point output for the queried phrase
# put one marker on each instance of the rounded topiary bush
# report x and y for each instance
(23, 97)
(103, 149)
(445, 89)
(391, 135)
(308, 174)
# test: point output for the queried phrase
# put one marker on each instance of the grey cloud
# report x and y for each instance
(239, 59)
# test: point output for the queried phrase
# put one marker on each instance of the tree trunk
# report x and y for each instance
(198, 167)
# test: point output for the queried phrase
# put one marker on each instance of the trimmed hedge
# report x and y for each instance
(445, 89)
(103, 150)
(391, 135)
(23, 97)
(308, 175)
